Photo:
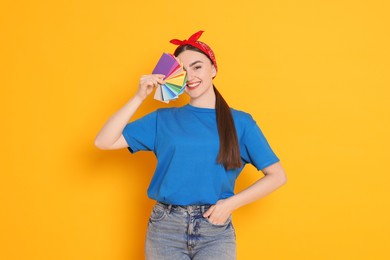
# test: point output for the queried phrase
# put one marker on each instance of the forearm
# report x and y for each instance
(113, 128)
(258, 190)
(273, 179)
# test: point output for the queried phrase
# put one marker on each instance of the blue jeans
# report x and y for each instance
(182, 233)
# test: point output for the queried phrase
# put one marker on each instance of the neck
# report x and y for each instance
(204, 101)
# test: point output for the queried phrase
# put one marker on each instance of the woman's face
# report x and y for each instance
(200, 73)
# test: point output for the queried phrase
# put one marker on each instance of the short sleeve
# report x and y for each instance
(140, 134)
(256, 150)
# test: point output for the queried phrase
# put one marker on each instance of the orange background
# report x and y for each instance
(314, 75)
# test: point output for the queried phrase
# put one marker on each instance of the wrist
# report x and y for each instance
(234, 202)
(138, 99)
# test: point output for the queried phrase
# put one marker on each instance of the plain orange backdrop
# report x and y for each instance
(314, 75)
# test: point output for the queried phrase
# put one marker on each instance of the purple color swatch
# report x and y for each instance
(165, 65)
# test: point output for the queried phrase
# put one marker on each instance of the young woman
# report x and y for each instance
(201, 149)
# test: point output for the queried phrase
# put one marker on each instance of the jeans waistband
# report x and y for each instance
(191, 208)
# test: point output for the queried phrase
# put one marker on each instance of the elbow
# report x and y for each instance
(100, 145)
(282, 179)
(277, 173)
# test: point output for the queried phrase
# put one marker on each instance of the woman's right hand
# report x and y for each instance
(147, 84)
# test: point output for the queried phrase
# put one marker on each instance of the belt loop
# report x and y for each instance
(169, 208)
(202, 209)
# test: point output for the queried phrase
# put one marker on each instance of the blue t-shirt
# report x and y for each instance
(185, 141)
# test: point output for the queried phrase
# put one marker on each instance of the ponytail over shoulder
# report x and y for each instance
(229, 150)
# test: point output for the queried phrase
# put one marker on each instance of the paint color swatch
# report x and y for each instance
(175, 78)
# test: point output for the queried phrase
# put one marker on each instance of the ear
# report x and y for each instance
(214, 71)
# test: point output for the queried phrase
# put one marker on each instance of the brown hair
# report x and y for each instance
(229, 150)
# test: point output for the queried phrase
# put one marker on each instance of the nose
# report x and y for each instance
(189, 76)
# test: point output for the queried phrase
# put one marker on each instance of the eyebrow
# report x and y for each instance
(192, 64)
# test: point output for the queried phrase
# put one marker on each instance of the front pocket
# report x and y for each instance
(220, 225)
(158, 213)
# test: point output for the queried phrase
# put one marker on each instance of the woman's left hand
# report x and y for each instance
(220, 212)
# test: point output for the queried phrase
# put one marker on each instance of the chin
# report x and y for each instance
(194, 94)
(199, 92)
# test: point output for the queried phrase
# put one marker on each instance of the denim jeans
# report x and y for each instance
(182, 233)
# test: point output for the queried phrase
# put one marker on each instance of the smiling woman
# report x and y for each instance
(194, 198)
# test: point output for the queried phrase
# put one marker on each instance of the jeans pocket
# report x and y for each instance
(220, 225)
(158, 213)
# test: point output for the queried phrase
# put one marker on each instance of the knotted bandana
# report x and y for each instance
(193, 41)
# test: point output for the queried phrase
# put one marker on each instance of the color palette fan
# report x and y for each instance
(175, 78)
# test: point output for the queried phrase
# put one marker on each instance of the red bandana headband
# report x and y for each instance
(193, 41)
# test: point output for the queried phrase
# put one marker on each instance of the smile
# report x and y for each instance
(193, 84)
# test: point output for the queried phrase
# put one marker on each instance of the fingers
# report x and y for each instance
(208, 212)
(218, 214)
(213, 217)
(147, 83)
(157, 77)
(152, 80)
(160, 77)
(218, 220)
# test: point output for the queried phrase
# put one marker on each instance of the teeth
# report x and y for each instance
(192, 85)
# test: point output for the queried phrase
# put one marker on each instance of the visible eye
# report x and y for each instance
(198, 67)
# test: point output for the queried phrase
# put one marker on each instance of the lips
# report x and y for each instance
(193, 84)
